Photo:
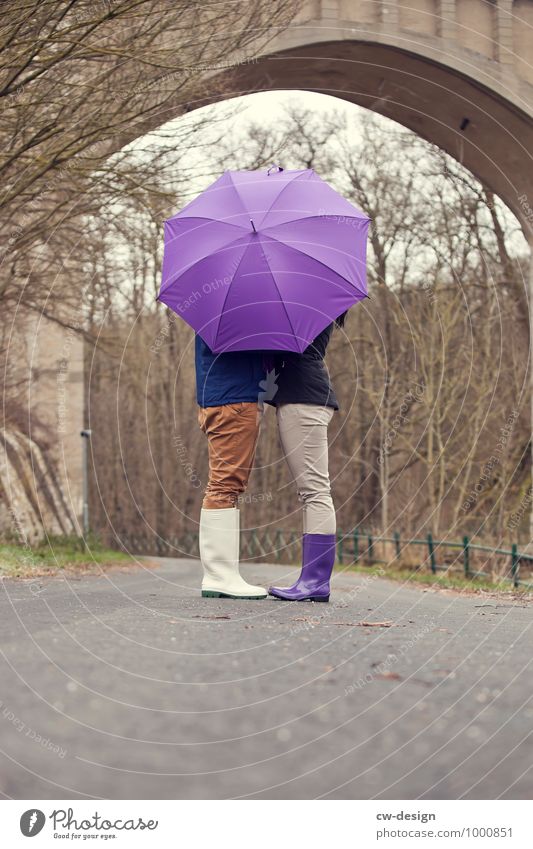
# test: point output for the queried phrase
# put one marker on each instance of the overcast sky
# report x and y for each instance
(264, 108)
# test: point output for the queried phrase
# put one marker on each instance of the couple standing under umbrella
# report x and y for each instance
(228, 387)
(291, 252)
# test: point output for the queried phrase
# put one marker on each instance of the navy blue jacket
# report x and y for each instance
(227, 378)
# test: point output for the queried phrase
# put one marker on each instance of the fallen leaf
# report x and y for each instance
(390, 676)
(348, 624)
(198, 616)
(377, 624)
(366, 624)
(305, 619)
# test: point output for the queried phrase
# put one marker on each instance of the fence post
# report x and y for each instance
(431, 554)
(397, 543)
(515, 564)
(278, 545)
(466, 553)
(356, 545)
(370, 549)
(340, 552)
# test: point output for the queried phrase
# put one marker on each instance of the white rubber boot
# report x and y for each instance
(219, 551)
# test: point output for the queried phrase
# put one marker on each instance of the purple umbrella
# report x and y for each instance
(264, 260)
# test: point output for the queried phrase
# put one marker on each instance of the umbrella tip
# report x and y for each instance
(253, 225)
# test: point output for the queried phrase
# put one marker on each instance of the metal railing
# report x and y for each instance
(275, 546)
(357, 546)
(362, 549)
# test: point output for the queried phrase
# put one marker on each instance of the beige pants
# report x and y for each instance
(303, 431)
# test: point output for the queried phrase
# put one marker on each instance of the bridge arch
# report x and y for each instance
(457, 72)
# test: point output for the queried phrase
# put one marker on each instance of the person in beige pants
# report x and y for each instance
(303, 433)
(305, 404)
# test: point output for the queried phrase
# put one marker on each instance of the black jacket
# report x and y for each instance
(303, 378)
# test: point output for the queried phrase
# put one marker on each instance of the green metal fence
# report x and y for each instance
(277, 546)
(360, 546)
(357, 546)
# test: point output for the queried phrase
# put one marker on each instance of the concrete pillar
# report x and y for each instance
(57, 395)
(447, 19)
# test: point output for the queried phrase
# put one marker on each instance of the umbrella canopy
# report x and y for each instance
(264, 260)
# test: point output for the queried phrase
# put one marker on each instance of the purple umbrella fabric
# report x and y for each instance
(264, 261)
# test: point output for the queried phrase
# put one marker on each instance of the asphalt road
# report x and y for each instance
(130, 685)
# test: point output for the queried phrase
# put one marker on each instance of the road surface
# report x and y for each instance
(130, 685)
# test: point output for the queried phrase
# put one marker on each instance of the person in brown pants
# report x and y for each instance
(230, 411)
(232, 432)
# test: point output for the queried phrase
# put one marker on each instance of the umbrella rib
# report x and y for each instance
(293, 248)
(308, 217)
(279, 293)
(280, 194)
(180, 217)
(229, 287)
(200, 259)
(235, 189)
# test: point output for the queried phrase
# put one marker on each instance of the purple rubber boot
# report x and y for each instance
(318, 558)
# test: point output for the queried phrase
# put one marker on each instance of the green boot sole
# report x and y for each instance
(215, 594)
